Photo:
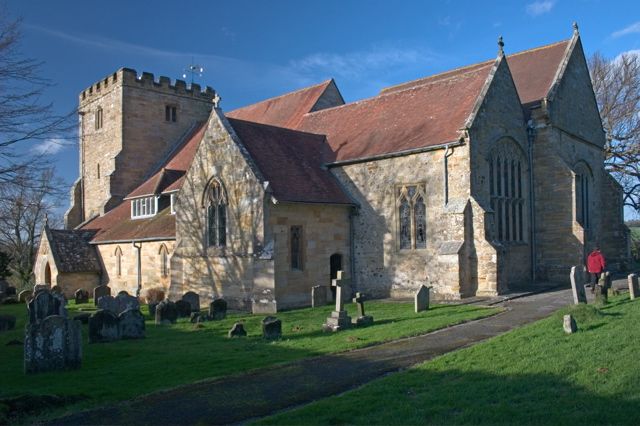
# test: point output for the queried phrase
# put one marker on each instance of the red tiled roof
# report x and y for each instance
(72, 251)
(282, 111)
(292, 163)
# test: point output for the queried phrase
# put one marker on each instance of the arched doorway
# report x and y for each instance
(47, 274)
(335, 265)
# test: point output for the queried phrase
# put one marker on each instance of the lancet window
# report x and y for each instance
(582, 189)
(412, 221)
(216, 207)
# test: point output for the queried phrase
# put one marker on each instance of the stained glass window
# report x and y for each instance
(506, 199)
(420, 223)
(412, 221)
(216, 215)
(405, 224)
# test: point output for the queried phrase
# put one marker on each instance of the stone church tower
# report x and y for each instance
(128, 125)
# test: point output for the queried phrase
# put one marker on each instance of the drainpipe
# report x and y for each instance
(531, 135)
(448, 152)
(352, 248)
(138, 246)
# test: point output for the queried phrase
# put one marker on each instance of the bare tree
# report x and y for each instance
(616, 84)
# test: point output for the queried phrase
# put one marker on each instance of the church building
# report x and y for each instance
(474, 181)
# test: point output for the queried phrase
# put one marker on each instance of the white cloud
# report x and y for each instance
(540, 7)
(631, 29)
(50, 146)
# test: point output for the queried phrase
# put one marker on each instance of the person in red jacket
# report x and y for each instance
(595, 266)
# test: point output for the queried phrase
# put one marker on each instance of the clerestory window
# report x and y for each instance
(216, 207)
(412, 220)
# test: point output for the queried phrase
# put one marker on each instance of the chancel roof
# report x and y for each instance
(72, 251)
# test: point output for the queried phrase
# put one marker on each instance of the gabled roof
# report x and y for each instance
(292, 162)
(72, 251)
(285, 110)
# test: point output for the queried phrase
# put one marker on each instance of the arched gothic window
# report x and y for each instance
(582, 193)
(216, 208)
(118, 255)
(164, 261)
(412, 222)
(507, 191)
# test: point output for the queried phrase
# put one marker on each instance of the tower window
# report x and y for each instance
(170, 113)
(98, 118)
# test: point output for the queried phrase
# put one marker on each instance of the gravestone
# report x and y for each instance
(218, 309)
(577, 285)
(362, 319)
(421, 298)
(10, 291)
(39, 287)
(237, 330)
(56, 289)
(55, 343)
(569, 324)
(81, 296)
(124, 302)
(193, 299)
(25, 295)
(184, 308)
(318, 296)
(100, 291)
(44, 304)
(83, 317)
(271, 328)
(131, 324)
(339, 319)
(103, 327)
(166, 312)
(601, 290)
(108, 303)
(7, 322)
(634, 290)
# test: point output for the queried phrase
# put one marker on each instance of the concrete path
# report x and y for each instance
(260, 393)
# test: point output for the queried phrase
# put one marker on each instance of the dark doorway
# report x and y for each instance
(335, 265)
(47, 274)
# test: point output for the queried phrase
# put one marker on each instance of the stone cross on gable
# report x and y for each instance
(216, 100)
(340, 282)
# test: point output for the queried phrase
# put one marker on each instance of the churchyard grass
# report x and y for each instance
(536, 374)
(183, 353)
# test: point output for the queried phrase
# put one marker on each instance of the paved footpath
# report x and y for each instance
(263, 392)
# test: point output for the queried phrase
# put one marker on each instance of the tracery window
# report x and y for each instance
(164, 261)
(118, 255)
(582, 184)
(412, 220)
(216, 205)
(296, 247)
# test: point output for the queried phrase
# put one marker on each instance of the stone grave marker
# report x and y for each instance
(569, 324)
(339, 319)
(103, 327)
(271, 328)
(421, 298)
(44, 304)
(55, 343)
(100, 291)
(601, 290)
(218, 309)
(166, 312)
(124, 302)
(108, 303)
(131, 324)
(7, 322)
(40, 287)
(81, 296)
(194, 300)
(577, 285)
(634, 290)
(362, 319)
(237, 330)
(318, 296)
(25, 295)
(184, 308)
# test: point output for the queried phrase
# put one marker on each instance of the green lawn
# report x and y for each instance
(183, 353)
(533, 375)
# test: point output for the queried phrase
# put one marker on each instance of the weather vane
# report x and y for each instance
(193, 70)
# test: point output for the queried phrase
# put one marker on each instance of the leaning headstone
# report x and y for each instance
(362, 319)
(103, 327)
(601, 290)
(318, 296)
(100, 291)
(271, 328)
(7, 322)
(577, 285)
(43, 305)
(166, 312)
(10, 291)
(131, 324)
(184, 308)
(83, 317)
(569, 324)
(55, 343)
(25, 295)
(339, 319)
(218, 309)
(237, 330)
(421, 298)
(634, 290)
(124, 302)
(81, 296)
(193, 299)
(108, 303)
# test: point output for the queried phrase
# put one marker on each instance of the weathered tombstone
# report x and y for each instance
(218, 309)
(108, 303)
(166, 312)
(56, 289)
(362, 319)
(124, 302)
(43, 305)
(194, 300)
(339, 319)
(577, 285)
(81, 296)
(271, 328)
(184, 308)
(634, 290)
(601, 290)
(100, 291)
(25, 295)
(39, 287)
(131, 324)
(569, 324)
(318, 296)
(55, 343)
(237, 330)
(103, 327)
(10, 291)
(7, 322)
(421, 298)
(83, 317)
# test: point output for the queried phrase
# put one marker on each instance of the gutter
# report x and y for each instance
(142, 240)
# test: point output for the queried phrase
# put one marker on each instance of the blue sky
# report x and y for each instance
(252, 50)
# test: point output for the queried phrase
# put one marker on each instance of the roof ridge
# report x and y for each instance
(286, 129)
(283, 95)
